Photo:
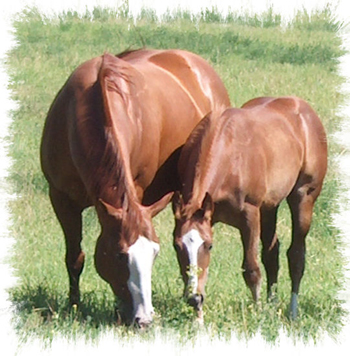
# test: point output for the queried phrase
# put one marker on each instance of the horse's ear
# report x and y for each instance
(177, 205)
(158, 206)
(208, 206)
(111, 210)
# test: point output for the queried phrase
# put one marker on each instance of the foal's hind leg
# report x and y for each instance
(301, 205)
(270, 250)
(69, 216)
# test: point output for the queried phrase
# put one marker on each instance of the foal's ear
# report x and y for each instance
(177, 205)
(208, 206)
(111, 210)
(159, 205)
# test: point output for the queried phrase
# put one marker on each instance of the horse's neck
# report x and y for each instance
(108, 172)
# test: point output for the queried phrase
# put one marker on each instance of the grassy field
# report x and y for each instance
(254, 56)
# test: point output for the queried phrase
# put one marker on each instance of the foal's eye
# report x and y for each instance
(121, 256)
(210, 247)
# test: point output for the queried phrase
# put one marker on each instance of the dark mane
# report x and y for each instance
(192, 149)
(106, 168)
(132, 220)
(198, 164)
(191, 154)
(128, 51)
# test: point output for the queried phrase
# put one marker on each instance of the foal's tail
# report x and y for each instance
(315, 140)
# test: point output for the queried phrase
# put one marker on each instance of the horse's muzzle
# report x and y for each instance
(128, 320)
(142, 323)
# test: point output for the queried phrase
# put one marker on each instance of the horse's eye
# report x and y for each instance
(177, 247)
(210, 247)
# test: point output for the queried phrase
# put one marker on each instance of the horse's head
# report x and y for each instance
(125, 253)
(193, 242)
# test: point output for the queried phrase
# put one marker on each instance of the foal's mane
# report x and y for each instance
(191, 165)
(199, 161)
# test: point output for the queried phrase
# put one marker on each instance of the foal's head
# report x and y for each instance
(125, 253)
(193, 242)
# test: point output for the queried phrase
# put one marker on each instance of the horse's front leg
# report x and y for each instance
(250, 235)
(69, 215)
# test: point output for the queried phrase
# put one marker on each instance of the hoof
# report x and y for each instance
(252, 279)
(74, 307)
(200, 318)
(255, 292)
(272, 293)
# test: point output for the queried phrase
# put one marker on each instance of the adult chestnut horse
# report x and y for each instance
(237, 168)
(110, 140)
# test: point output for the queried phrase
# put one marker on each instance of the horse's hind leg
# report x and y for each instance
(301, 203)
(270, 250)
(250, 234)
(69, 216)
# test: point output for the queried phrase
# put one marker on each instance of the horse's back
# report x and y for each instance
(190, 71)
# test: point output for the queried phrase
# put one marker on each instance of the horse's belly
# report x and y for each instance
(63, 176)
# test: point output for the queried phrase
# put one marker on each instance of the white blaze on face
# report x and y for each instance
(192, 240)
(141, 257)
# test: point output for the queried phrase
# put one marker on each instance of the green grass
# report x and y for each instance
(255, 56)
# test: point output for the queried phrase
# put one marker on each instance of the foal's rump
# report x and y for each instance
(294, 142)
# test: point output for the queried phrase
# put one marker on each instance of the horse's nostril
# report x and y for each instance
(137, 322)
(142, 324)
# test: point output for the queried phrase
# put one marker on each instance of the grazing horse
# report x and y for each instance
(237, 168)
(111, 140)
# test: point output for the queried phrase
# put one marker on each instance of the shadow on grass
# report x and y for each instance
(48, 306)
(39, 308)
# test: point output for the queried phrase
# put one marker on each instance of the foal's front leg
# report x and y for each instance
(250, 235)
(270, 249)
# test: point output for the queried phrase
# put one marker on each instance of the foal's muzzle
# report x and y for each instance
(196, 301)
